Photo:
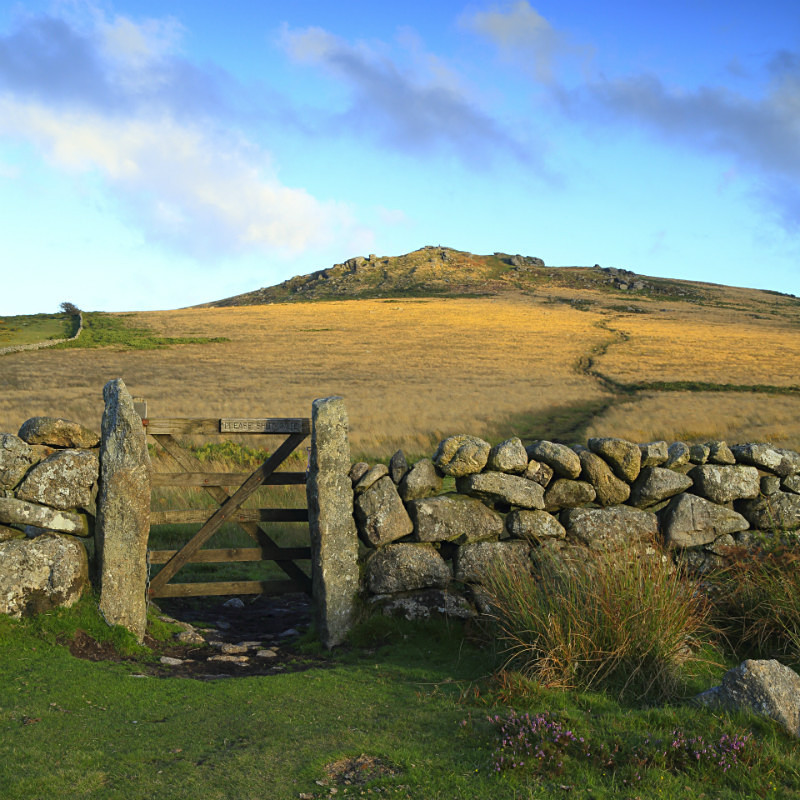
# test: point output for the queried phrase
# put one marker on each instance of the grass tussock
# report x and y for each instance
(625, 625)
(756, 602)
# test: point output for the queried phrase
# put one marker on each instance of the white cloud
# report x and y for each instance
(111, 96)
(187, 185)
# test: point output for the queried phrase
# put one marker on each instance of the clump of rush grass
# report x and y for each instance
(546, 746)
(756, 601)
(622, 624)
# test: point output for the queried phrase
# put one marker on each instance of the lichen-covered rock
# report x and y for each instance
(564, 493)
(123, 512)
(370, 478)
(422, 480)
(453, 518)
(623, 457)
(769, 458)
(358, 471)
(16, 458)
(723, 484)
(380, 515)
(40, 574)
(423, 605)
(473, 562)
(406, 567)
(655, 484)
(677, 455)
(610, 490)
(63, 480)
(766, 688)
(7, 533)
(561, 459)
(398, 466)
(57, 432)
(539, 472)
(498, 487)
(691, 521)
(334, 540)
(461, 455)
(653, 454)
(21, 512)
(720, 453)
(779, 511)
(699, 453)
(769, 484)
(790, 484)
(534, 525)
(610, 528)
(508, 456)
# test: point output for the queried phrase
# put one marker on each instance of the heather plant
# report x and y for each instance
(623, 624)
(546, 746)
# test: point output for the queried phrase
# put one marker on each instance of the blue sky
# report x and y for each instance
(161, 154)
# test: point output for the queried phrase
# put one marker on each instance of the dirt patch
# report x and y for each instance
(224, 639)
(359, 770)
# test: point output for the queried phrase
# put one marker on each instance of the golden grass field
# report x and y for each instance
(414, 371)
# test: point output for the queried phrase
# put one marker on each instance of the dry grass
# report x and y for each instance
(700, 416)
(414, 371)
(709, 345)
(410, 371)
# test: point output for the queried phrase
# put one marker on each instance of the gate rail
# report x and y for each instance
(193, 474)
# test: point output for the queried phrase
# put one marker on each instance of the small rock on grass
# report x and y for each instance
(171, 662)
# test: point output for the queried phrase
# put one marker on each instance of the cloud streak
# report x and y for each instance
(113, 98)
(418, 109)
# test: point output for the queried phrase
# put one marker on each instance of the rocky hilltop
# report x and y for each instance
(442, 271)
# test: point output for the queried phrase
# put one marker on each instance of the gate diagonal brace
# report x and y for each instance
(230, 503)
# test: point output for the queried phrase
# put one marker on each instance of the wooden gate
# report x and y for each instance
(194, 474)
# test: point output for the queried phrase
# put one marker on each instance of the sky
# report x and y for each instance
(156, 155)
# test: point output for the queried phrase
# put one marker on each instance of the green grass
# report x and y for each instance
(32, 328)
(102, 330)
(416, 696)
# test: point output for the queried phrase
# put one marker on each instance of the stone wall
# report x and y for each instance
(426, 550)
(17, 348)
(48, 502)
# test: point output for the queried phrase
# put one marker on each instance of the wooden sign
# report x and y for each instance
(273, 425)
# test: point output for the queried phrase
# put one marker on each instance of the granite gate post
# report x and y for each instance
(334, 541)
(123, 512)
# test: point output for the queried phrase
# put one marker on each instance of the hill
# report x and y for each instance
(436, 271)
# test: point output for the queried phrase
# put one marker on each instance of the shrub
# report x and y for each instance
(622, 624)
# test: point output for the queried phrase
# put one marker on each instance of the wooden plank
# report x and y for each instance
(232, 554)
(190, 463)
(225, 511)
(223, 588)
(201, 479)
(163, 425)
(185, 516)
(272, 425)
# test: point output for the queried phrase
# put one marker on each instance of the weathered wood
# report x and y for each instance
(272, 425)
(184, 516)
(191, 463)
(225, 511)
(186, 479)
(223, 588)
(181, 426)
(233, 554)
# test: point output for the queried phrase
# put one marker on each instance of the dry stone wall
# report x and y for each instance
(48, 492)
(425, 550)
